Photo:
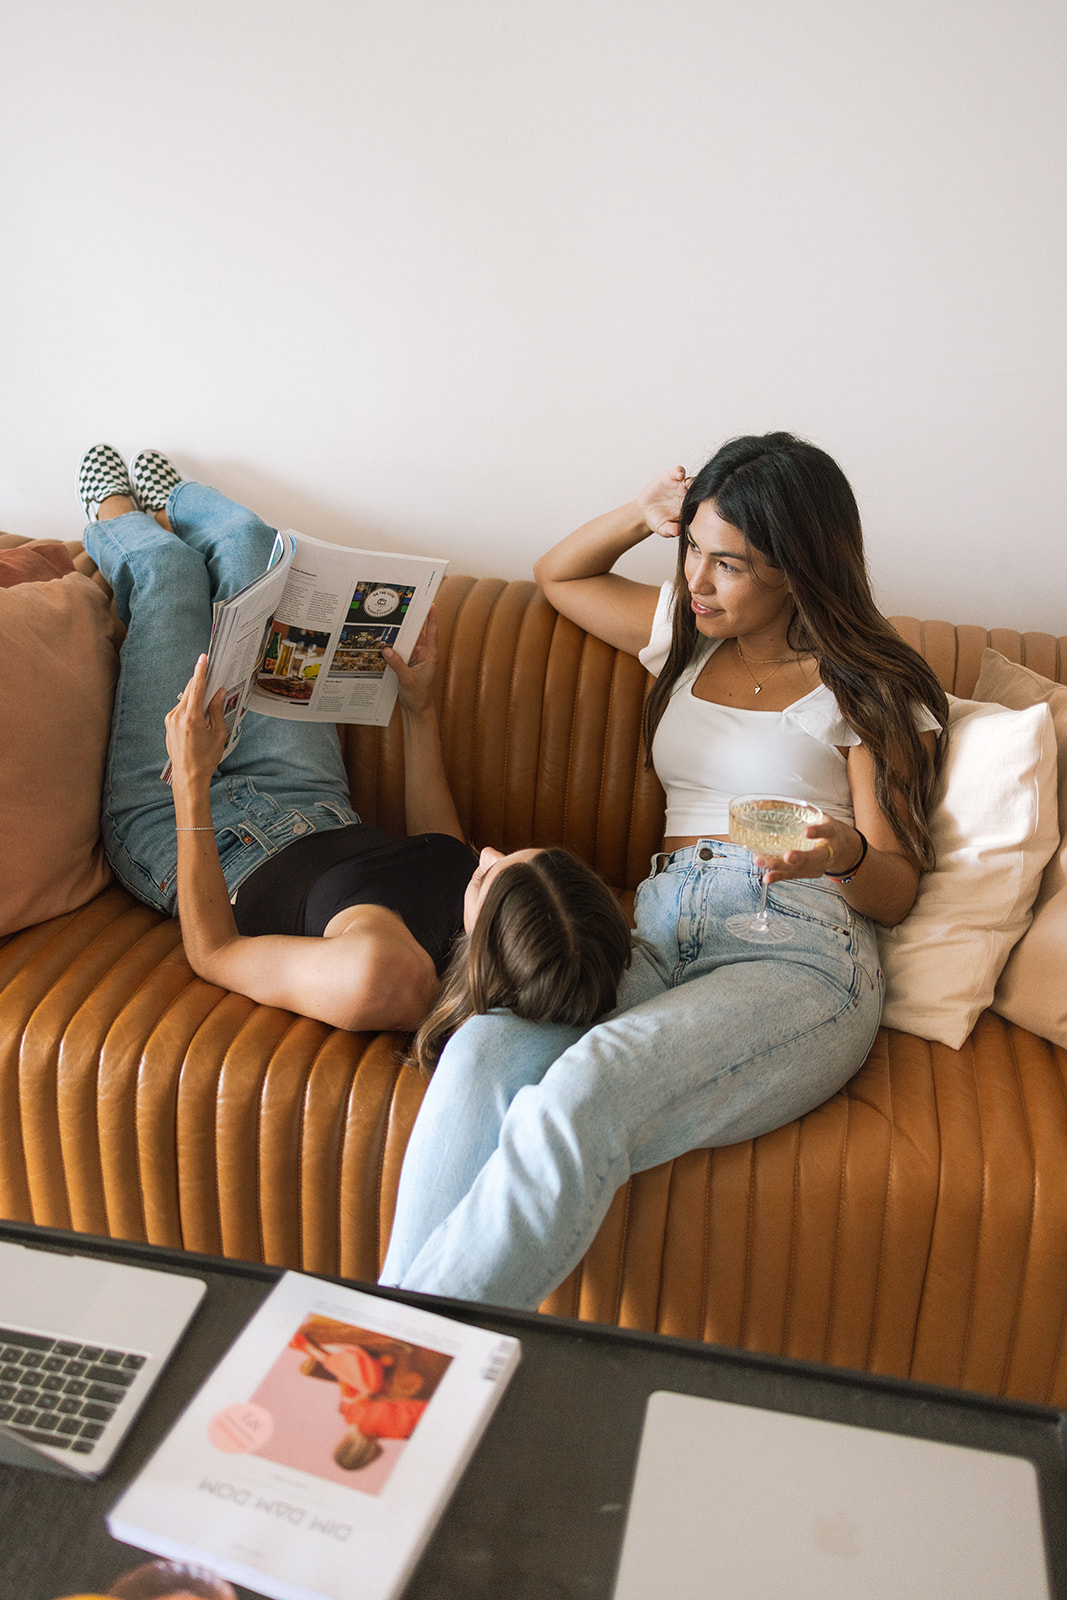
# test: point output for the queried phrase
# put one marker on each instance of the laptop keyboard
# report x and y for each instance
(59, 1392)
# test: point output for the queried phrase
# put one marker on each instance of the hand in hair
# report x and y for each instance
(660, 502)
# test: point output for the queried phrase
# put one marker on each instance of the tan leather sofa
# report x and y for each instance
(916, 1225)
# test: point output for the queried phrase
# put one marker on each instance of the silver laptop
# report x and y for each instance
(733, 1500)
(82, 1341)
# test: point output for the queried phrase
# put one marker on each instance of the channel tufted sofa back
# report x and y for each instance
(914, 1225)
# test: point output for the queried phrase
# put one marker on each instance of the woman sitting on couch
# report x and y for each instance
(775, 674)
(266, 850)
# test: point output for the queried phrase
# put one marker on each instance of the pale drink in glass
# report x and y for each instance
(768, 825)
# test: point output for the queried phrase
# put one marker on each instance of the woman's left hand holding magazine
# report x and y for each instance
(415, 677)
(428, 803)
(196, 735)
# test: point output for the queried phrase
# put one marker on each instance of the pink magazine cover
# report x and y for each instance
(340, 1402)
(316, 1457)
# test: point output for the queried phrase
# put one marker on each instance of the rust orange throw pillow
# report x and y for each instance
(34, 563)
(60, 663)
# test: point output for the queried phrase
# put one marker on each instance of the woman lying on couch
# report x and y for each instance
(284, 895)
(776, 674)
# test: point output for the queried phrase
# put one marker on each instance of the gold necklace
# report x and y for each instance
(780, 662)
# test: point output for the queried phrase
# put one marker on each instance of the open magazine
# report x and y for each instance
(315, 1460)
(304, 639)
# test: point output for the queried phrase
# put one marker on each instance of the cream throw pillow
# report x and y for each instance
(994, 827)
(1033, 986)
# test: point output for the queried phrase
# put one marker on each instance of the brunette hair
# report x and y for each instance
(794, 505)
(356, 1450)
(550, 944)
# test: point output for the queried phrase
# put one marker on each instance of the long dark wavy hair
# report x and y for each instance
(550, 944)
(794, 505)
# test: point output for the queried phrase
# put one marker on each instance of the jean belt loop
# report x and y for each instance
(660, 862)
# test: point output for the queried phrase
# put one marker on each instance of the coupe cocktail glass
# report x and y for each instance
(768, 825)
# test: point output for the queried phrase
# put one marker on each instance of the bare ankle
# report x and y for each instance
(116, 505)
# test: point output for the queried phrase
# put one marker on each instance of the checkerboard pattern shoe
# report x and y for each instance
(102, 473)
(154, 477)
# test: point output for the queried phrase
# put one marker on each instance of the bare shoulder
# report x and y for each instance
(372, 972)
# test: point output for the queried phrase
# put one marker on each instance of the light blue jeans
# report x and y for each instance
(527, 1131)
(282, 780)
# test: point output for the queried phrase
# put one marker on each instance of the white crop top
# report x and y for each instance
(704, 753)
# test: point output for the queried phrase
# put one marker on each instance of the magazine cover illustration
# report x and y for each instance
(314, 1460)
(340, 1402)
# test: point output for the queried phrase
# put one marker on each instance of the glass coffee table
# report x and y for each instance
(540, 1512)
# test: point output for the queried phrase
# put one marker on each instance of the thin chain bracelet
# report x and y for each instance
(204, 827)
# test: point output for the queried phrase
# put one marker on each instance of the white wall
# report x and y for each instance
(455, 276)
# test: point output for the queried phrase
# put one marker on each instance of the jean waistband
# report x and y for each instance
(701, 854)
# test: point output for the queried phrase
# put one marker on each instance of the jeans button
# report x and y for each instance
(301, 825)
(704, 853)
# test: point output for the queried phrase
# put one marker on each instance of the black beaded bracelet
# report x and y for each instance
(847, 877)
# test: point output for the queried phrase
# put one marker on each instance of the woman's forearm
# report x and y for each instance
(428, 803)
(576, 577)
(883, 888)
(204, 907)
(594, 548)
(881, 880)
(884, 885)
(196, 736)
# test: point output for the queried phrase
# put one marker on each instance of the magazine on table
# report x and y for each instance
(304, 640)
(315, 1460)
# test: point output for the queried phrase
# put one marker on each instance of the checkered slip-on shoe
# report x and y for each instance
(154, 477)
(102, 473)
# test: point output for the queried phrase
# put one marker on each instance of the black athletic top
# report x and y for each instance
(422, 879)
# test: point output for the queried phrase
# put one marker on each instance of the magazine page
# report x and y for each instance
(240, 629)
(323, 660)
(239, 633)
(313, 1463)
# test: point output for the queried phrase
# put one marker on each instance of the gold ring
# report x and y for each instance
(829, 850)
